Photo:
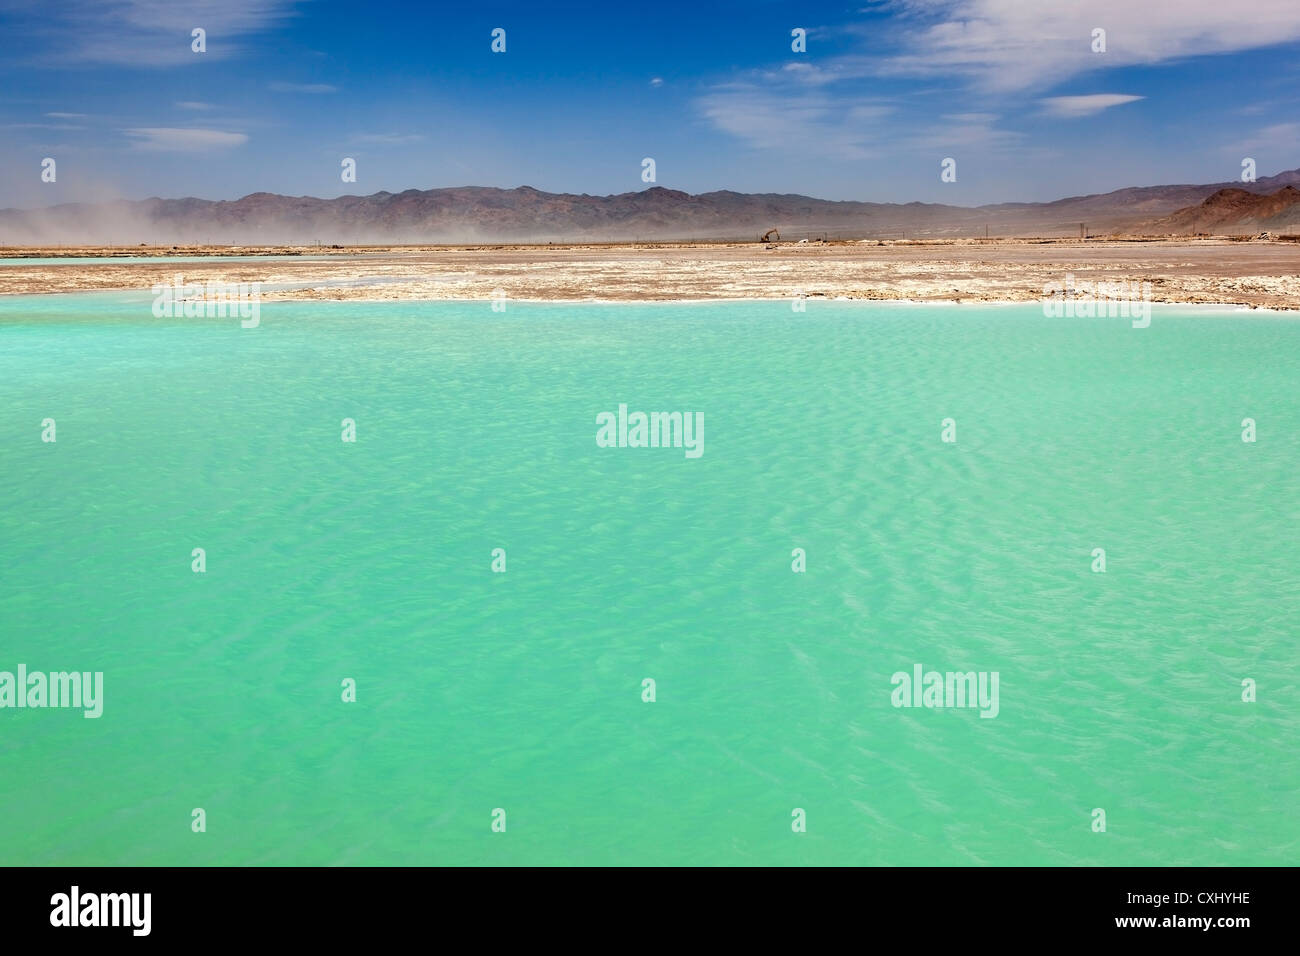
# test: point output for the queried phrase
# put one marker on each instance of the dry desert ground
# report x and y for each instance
(1260, 273)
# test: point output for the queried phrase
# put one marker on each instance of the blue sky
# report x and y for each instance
(1011, 89)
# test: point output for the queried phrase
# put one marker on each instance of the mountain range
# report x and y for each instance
(476, 214)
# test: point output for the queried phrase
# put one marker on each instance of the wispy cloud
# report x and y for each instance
(40, 126)
(184, 140)
(1008, 45)
(808, 122)
(778, 111)
(1280, 139)
(807, 73)
(302, 88)
(67, 115)
(193, 105)
(1071, 106)
(386, 139)
(139, 33)
(984, 55)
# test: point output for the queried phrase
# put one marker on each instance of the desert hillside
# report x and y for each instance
(1236, 211)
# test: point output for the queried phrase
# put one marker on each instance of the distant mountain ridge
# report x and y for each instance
(486, 214)
(1237, 210)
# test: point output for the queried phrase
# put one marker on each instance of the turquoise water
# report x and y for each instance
(478, 690)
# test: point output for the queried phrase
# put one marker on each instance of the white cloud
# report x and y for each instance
(1071, 106)
(145, 33)
(983, 57)
(67, 115)
(805, 72)
(193, 105)
(184, 140)
(1010, 45)
(657, 81)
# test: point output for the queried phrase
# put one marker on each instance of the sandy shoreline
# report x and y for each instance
(1263, 274)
